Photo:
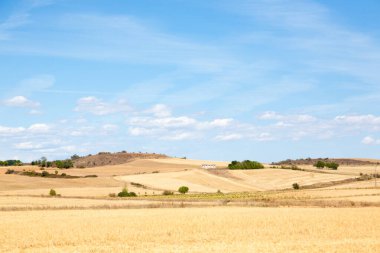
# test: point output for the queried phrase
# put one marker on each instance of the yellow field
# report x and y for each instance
(192, 230)
(346, 170)
(200, 180)
(169, 174)
(86, 219)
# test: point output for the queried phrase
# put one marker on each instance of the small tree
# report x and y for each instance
(296, 186)
(332, 165)
(183, 189)
(75, 156)
(320, 164)
(125, 193)
(52, 192)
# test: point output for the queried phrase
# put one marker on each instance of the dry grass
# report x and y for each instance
(192, 230)
(345, 170)
(232, 181)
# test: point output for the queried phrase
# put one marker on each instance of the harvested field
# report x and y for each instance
(192, 230)
(197, 180)
(345, 170)
(231, 181)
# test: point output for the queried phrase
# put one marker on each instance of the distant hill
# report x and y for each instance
(340, 161)
(107, 158)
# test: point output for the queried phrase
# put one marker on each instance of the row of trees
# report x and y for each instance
(11, 163)
(323, 164)
(245, 165)
(61, 164)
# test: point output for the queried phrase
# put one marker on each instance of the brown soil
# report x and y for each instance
(106, 158)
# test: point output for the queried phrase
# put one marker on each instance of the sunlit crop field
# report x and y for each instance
(222, 229)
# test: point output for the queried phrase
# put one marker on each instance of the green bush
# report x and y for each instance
(320, 164)
(166, 192)
(125, 193)
(330, 165)
(183, 189)
(52, 192)
(44, 173)
(296, 186)
(245, 165)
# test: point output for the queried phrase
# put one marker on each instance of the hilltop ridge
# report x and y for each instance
(108, 158)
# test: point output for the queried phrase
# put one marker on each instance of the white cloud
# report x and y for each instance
(39, 128)
(216, 123)
(294, 118)
(179, 136)
(21, 101)
(368, 140)
(168, 122)
(358, 119)
(8, 131)
(110, 127)
(160, 111)
(27, 146)
(98, 107)
(228, 137)
(264, 137)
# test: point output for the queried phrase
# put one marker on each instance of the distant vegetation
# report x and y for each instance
(166, 192)
(44, 173)
(52, 192)
(61, 164)
(323, 164)
(125, 193)
(183, 189)
(245, 165)
(312, 161)
(11, 163)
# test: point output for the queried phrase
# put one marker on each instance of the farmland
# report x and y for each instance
(192, 230)
(225, 210)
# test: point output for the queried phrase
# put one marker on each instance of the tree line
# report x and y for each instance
(60, 164)
(11, 163)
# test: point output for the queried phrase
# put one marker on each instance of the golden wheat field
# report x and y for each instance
(219, 229)
(254, 211)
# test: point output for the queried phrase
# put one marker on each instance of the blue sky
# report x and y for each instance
(261, 80)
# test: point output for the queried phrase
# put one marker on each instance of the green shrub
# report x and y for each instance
(125, 193)
(52, 192)
(296, 186)
(132, 194)
(245, 165)
(44, 173)
(166, 192)
(183, 189)
(332, 165)
(320, 164)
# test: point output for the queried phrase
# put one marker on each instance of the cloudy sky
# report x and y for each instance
(263, 79)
